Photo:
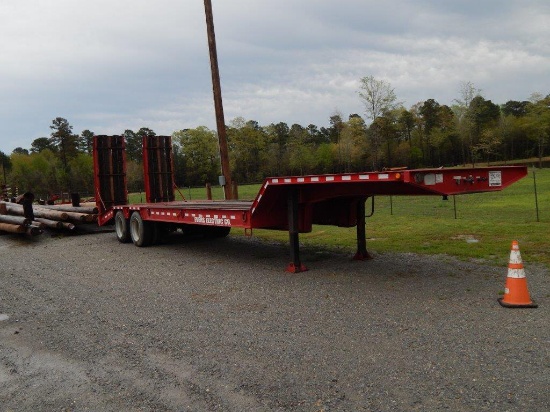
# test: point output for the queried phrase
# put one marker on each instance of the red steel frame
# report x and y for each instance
(295, 203)
(158, 165)
(109, 155)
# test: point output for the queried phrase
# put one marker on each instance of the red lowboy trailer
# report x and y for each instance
(291, 203)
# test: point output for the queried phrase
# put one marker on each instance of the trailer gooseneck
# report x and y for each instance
(292, 203)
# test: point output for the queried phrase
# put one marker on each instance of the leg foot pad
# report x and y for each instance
(292, 268)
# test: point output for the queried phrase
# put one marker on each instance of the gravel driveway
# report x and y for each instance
(94, 325)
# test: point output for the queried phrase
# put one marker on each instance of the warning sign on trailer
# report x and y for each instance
(495, 178)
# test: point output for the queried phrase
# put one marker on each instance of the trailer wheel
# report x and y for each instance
(140, 230)
(122, 228)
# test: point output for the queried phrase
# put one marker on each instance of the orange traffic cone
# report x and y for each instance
(516, 294)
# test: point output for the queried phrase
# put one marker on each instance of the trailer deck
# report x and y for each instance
(292, 203)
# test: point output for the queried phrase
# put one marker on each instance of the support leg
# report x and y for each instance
(362, 253)
(295, 266)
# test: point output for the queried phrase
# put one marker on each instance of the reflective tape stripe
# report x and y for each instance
(516, 273)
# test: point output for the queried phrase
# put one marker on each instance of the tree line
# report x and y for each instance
(428, 134)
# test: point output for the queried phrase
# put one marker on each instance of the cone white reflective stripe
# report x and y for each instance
(516, 273)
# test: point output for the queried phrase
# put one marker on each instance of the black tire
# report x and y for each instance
(122, 227)
(140, 230)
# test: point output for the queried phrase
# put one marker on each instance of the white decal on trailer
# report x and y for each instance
(495, 178)
(429, 179)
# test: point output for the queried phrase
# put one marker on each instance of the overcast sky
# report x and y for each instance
(111, 65)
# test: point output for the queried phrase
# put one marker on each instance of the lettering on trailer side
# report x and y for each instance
(212, 220)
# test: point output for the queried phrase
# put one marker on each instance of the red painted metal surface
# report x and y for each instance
(109, 156)
(332, 199)
(207, 213)
(158, 168)
(325, 199)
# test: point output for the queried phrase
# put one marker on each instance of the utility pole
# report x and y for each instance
(216, 87)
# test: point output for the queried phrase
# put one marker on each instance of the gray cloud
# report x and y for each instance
(108, 66)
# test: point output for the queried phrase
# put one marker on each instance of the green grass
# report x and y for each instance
(246, 192)
(485, 226)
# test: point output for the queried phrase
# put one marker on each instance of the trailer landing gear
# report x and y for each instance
(295, 266)
(362, 253)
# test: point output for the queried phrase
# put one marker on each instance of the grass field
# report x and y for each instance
(486, 223)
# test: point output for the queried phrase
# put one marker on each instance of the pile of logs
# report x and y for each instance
(60, 216)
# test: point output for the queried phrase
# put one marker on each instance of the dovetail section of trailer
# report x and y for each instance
(459, 181)
(109, 175)
(331, 199)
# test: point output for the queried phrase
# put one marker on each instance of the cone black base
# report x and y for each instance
(508, 305)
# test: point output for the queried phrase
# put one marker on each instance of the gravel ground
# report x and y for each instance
(94, 325)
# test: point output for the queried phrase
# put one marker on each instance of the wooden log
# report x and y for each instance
(14, 220)
(88, 204)
(67, 225)
(50, 214)
(38, 224)
(68, 208)
(72, 216)
(3, 209)
(79, 217)
(33, 230)
(9, 227)
(53, 224)
(15, 209)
